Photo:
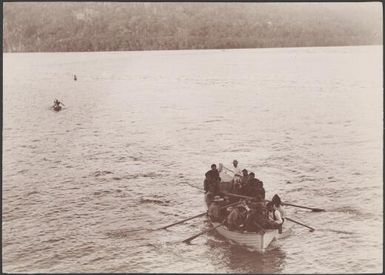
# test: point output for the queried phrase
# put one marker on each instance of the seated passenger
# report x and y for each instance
(260, 190)
(252, 187)
(245, 176)
(243, 189)
(236, 218)
(251, 181)
(214, 210)
(236, 187)
(254, 219)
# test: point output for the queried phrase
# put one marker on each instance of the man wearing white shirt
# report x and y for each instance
(237, 172)
(274, 216)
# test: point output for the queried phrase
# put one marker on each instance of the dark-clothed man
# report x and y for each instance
(211, 183)
(213, 173)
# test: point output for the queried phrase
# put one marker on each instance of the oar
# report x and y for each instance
(199, 215)
(311, 228)
(238, 196)
(305, 207)
(201, 233)
(284, 203)
(182, 221)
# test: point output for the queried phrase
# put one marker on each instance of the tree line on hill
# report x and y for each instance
(98, 26)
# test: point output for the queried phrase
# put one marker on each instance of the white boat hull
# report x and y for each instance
(258, 241)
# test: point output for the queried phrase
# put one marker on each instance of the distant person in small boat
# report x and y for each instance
(214, 210)
(57, 103)
(75, 78)
(274, 218)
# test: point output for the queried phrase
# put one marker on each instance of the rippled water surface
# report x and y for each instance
(140, 129)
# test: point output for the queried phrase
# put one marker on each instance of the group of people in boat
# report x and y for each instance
(240, 202)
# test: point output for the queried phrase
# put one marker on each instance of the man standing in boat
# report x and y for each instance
(238, 187)
(237, 172)
(211, 183)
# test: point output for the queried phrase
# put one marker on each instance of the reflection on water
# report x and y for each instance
(240, 259)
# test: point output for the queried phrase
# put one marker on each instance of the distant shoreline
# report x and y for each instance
(135, 26)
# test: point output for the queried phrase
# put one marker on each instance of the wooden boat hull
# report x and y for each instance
(258, 241)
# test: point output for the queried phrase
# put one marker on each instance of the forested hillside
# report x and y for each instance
(84, 26)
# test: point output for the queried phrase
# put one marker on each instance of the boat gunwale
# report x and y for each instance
(244, 232)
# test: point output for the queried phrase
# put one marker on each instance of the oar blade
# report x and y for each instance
(297, 222)
(182, 221)
(201, 233)
(187, 241)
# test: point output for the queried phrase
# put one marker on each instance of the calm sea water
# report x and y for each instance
(140, 129)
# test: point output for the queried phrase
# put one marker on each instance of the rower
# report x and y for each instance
(276, 200)
(236, 218)
(214, 210)
(254, 219)
(274, 219)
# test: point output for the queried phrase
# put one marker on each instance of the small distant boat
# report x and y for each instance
(56, 108)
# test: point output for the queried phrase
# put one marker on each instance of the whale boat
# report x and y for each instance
(258, 241)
